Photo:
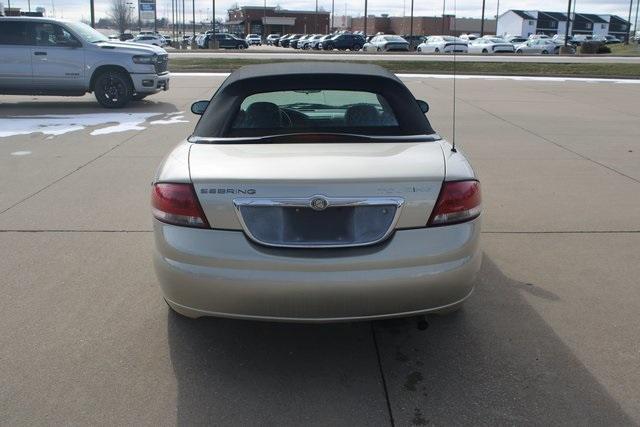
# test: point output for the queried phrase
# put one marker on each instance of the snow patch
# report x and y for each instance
(60, 124)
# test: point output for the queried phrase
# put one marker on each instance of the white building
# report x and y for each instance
(524, 23)
(517, 23)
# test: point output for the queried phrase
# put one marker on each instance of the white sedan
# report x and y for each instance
(149, 39)
(490, 45)
(539, 46)
(443, 44)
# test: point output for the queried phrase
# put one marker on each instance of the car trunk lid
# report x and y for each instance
(227, 177)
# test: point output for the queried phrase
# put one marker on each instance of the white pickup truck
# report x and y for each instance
(44, 56)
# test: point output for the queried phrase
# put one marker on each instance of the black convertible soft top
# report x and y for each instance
(224, 105)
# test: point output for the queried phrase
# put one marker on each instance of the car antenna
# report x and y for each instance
(453, 136)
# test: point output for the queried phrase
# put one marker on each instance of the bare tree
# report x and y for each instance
(121, 14)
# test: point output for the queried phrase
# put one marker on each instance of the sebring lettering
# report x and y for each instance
(227, 191)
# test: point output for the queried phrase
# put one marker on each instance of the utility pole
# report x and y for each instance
(29, 5)
(93, 13)
(629, 21)
(264, 21)
(184, 21)
(193, 13)
(139, 19)
(482, 20)
(365, 19)
(411, 27)
(566, 32)
(155, 17)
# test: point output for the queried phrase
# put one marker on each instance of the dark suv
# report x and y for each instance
(343, 42)
(287, 42)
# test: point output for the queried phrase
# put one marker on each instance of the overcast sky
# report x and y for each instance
(75, 9)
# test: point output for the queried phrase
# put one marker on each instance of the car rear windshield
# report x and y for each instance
(308, 111)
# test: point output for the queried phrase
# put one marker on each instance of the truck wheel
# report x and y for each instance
(113, 89)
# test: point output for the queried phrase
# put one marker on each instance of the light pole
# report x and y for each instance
(365, 19)
(444, 8)
(193, 14)
(566, 31)
(629, 21)
(131, 6)
(482, 20)
(411, 27)
(93, 13)
(635, 26)
(333, 13)
(315, 20)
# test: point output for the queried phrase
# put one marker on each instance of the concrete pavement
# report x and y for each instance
(549, 337)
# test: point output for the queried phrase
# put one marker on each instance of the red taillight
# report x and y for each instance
(459, 201)
(177, 204)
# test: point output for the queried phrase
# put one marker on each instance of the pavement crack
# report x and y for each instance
(384, 382)
(19, 202)
(550, 141)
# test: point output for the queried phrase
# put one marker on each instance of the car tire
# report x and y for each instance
(419, 49)
(437, 50)
(519, 52)
(113, 89)
(356, 48)
(485, 51)
(241, 47)
(544, 52)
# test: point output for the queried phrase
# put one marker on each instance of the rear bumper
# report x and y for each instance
(221, 273)
(150, 83)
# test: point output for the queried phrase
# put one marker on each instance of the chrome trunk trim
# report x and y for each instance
(396, 202)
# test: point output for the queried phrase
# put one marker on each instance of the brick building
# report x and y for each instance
(422, 25)
(261, 20)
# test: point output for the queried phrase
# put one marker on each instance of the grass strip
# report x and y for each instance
(605, 70)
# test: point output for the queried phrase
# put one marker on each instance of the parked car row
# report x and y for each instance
(224, 40)
(341, 41)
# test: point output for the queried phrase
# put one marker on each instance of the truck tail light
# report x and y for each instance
(459, 201)
(177, 204)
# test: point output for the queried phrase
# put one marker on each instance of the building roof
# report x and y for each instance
(555, 15)
(592, 17)
(617, 18)
(276, 10)
(523, 14)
